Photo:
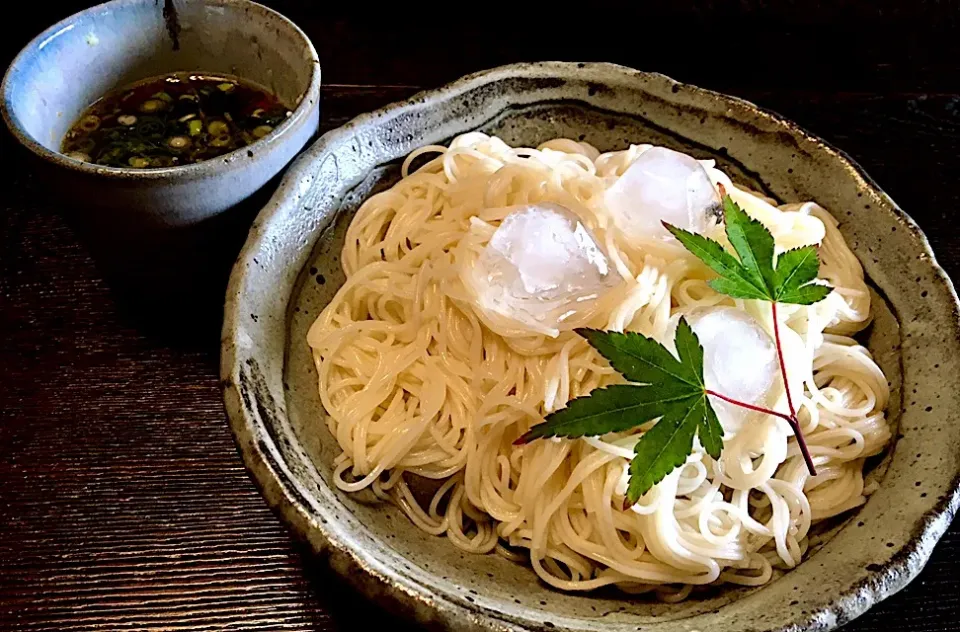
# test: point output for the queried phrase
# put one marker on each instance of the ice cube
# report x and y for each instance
(739, 360)
(662, 185)
(541, 267)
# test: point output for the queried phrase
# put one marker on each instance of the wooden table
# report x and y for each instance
(123, 503)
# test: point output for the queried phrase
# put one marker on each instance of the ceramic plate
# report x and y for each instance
(289, 270)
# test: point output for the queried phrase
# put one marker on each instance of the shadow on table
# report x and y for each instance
(170, 284)
(347, 608)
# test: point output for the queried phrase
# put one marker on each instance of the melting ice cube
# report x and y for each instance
(662, 185)
(540, 267)
(739, 359)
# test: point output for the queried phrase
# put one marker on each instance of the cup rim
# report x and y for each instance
(225, 162)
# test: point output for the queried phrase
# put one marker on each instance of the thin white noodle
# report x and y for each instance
(419, 381)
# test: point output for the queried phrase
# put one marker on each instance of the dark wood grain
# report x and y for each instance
(123, 503)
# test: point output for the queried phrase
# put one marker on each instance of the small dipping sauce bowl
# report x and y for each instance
(152, 223)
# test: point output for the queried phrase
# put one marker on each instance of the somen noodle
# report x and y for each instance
(420, 378)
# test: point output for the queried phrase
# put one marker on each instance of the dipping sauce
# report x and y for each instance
(171, 120)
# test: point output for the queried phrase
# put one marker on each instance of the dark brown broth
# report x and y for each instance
(173, 120)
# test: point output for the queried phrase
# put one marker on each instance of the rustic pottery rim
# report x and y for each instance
(404, 594)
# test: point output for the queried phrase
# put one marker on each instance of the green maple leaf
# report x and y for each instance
(664, 386)
(671, 388)
(754, 275)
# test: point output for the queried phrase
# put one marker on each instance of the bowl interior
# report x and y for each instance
(492, 576)
(77, 61)
(290, 269)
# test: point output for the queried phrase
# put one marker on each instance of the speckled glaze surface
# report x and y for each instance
(289, 269)
(78, 60)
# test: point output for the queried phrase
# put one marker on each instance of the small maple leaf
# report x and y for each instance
(664, 386)
(754, 275)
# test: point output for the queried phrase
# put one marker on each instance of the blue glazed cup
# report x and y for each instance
(158, 228)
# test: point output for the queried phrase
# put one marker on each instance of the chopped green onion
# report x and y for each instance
(152, 105)
(151, 126)
(179, 142)
(171, 120)
(221, 141)
(90, 123)
(218, 128)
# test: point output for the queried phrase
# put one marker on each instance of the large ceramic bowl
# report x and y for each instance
(289, 269)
